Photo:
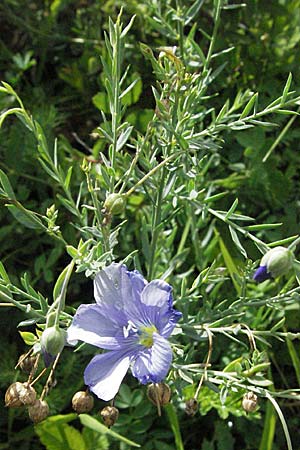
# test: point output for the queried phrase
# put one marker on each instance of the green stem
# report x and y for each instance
(152, 171)
(155, 223)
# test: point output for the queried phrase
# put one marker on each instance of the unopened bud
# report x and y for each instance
(109, 415)
(19, 394)
(26, 363)
(277, 261)
(191, 407)
(53, 340)
(159, 394)
(82, 402)
(114, 204)
(249, 402)
(38, 411)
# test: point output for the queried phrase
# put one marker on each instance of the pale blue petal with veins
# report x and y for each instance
(132, 319)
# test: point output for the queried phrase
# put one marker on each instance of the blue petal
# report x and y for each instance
(105, 373)
(153, 364)
(261, 274)
(91, 326)
(118, 292)
(157, 303)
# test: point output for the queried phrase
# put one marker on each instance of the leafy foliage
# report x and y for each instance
(198, 142)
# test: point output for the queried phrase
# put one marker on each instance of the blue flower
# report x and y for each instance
(132, 319)
(277, 261)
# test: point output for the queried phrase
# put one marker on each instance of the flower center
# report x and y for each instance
(146, 335)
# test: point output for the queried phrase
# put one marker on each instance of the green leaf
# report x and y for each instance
(249, 106)
(28, 338)
(62, 282)
(6, 185)
(26, 217)
(4, 274)
(95, 425)
(57, 435)
(232, 269)
(286, 88)
(173, 419)
(192, 11)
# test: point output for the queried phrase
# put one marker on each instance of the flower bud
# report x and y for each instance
(276, 262)
(82, 402)
(26, 363)
(53, 340)
(191, 407)
(19, 394)
(114, 204)
(159, 394)
(38, 411)
(249, 402)
(109, 415)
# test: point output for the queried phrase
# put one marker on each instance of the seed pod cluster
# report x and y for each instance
(109, 415)
(82, 402)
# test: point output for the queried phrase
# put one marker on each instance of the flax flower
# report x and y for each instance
(132, 320)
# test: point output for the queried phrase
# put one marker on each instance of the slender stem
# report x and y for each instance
(206, 364)
(152, 171)
(156, 221)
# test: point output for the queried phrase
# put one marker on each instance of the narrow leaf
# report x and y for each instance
(95, 425)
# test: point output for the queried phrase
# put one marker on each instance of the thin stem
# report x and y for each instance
(210, 348)
(152, 171)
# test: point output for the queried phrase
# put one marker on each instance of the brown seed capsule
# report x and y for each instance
(19, 394)
(26, 363)
(12, 396)
(109, 415)
(191, 407)
(159, 394)
(38, 411)
(249, 402)
(82, 402)
(27, 394)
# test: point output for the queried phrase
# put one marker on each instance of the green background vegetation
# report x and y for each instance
(50, 54)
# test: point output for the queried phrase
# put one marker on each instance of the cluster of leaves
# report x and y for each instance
(218, 124)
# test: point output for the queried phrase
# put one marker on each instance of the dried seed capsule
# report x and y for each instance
(82, 402)
(159, 394)
(191, 407)
(12, 396)
(109, 415)
(249, 402)
(19, 394)
(27, 394)
(38, 411)
(26, 363)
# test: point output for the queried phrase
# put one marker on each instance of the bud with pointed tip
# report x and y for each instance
(114, 204)
(38, 411)
(53, 341)
(82, 402)
(109, 415)
(249, 402)
(276, 262)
